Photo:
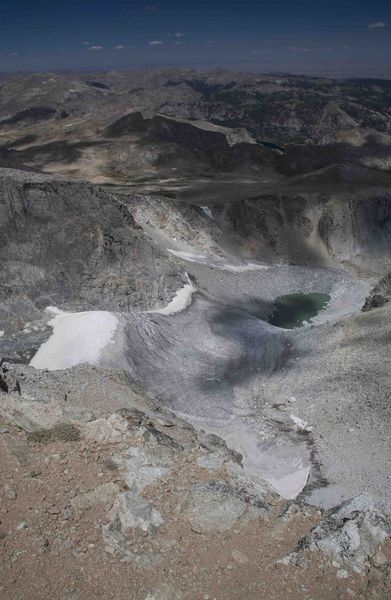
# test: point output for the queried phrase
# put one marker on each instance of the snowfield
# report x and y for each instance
(77, 338)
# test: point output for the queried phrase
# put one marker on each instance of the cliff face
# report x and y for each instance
(358, 231)
(69, 243)
(352, 230)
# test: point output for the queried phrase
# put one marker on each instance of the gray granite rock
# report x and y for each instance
(350, 535)
(212, 506)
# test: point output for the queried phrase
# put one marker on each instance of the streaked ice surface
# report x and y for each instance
(206, 356)
(204, 363)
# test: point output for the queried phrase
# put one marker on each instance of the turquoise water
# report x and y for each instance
(292, 310)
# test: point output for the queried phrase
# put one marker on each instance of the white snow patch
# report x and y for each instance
(292, 484)
(242, 268)
(218, 263)
(181, 300)
(300, 423)
(1, 334)
(77, 338)
(188, 255)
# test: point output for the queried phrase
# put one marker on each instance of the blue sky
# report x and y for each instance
(336, 37)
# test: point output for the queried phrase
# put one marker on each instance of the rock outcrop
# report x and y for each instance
(350, 536)
(68, 243)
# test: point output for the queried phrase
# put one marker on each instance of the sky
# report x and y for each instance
(317, 37)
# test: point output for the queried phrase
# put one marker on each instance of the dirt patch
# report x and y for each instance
(42, 534)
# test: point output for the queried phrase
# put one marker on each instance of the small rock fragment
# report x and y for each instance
(239, 557)
(9, 492)
(342, 574)
(212, 506)
(164, 592)
(35, 473)
(107, 431)
(102, 494)
(19, 449)
(212, 461)
(378, 559)
(130, 510)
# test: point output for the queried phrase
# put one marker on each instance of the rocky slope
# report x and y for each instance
(159, 438)
(116, 500)
(351, 228)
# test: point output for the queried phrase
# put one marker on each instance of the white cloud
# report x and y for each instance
(151, 8)
(209, 42)
(95, 48)
(178, 43)
(178, 34)
(260, 51)
(86, 43)
(377, 25)
(156, 43)
(13, 54)
(298, 49)
(119, 47)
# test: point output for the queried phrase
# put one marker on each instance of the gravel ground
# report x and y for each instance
(337, 380)
(56, 513)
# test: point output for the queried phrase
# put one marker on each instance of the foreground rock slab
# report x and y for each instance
(127, 509)
(350, 536)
